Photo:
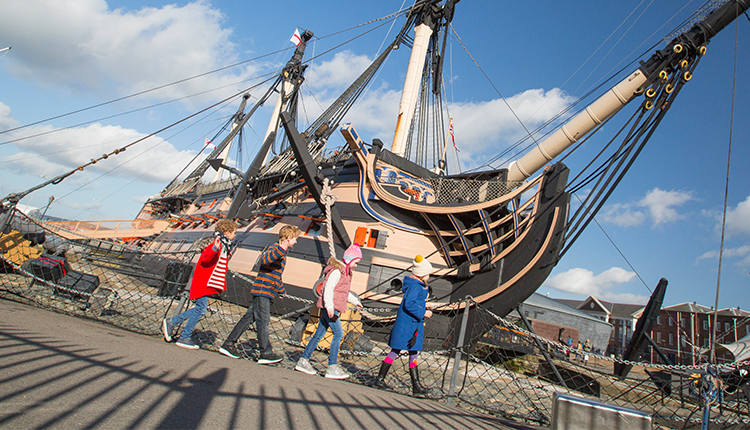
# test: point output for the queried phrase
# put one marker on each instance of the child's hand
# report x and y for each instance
(427, 313)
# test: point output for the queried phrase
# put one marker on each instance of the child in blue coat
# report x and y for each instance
(408, 330)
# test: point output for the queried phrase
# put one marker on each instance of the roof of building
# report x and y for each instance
(545, 302)
(615, 310)
(570, 302)
(689, 307)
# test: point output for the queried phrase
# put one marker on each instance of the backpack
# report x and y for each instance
(318, 287)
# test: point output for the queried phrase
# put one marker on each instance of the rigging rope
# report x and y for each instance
(726, 196)
(275, 72)
(328, 200)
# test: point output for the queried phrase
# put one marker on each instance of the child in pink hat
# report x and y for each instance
(332, 303)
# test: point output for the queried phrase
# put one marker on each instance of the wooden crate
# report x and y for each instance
(351, 321)
(17, 249)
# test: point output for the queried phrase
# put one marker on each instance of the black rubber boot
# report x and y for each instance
(380, 379)
(417, 389)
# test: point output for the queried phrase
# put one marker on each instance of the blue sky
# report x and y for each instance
(665, 217)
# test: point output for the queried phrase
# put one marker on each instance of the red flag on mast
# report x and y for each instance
(453, 137)
(296, 38)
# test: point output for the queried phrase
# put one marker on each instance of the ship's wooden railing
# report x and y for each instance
(107, 229)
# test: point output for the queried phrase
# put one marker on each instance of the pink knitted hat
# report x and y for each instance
(352, 253)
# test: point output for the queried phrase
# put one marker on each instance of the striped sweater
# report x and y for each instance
(209, 276)
(268, 282)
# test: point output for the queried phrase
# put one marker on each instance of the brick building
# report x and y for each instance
(682, 331)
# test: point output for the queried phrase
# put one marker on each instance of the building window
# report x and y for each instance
(705, 324)
(671, 339)
(726, 326)
(669, 321)
(658, 336)
(705, 343)
(747, 330)
(682, 341)
(658, 319)
(682, 322)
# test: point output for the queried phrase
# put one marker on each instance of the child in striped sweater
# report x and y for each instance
(209, 278)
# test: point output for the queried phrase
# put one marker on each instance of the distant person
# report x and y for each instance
(579, 351)
(332, 303)
(408, 330)
(266, 286)
(587, 347)
(209, 278)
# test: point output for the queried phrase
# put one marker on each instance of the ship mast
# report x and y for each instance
(429, 17)
(291, 78)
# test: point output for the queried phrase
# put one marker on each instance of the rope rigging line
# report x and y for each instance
(663, 92)
(726, 194)
(119, 99)
(618, 250)
(493, 85)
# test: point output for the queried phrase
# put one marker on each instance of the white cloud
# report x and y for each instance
(64, 150)
(337, 73)
(737, 218)
(739, 252)
(584, 282)
(86, 47)
(488, 127)
(6, 118)
(659, 206)
(622, 215)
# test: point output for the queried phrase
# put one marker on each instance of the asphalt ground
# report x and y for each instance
(64, 372)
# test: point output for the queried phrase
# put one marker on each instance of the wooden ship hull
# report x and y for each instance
(492, 236)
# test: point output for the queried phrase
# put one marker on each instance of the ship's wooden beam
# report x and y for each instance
(308, 168)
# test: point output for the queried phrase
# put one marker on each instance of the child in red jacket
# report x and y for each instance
(209, 278)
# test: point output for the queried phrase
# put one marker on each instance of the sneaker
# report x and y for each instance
(304, 366)
(335, 371)
(269, 358)
(229, 350)
(166, 329)
(187, 343)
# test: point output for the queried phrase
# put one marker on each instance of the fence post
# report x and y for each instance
(541, 347)
(457, 357)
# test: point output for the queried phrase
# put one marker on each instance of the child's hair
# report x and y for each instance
(225, 226)
(336, 263)
(289, 232)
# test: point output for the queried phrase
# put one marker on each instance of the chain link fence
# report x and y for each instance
(472, 358)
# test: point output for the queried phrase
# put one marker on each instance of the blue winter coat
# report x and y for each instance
(410, 317)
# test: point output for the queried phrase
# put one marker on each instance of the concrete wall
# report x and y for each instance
(595, 330)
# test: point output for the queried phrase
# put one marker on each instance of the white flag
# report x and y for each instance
(296, 38)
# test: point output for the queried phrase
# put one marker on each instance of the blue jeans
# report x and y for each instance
(323, 325)
(193, 315)
(242, 325)
(262, 313)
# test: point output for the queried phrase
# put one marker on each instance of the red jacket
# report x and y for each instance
(208, 261)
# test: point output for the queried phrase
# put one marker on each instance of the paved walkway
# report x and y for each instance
(64, 372)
